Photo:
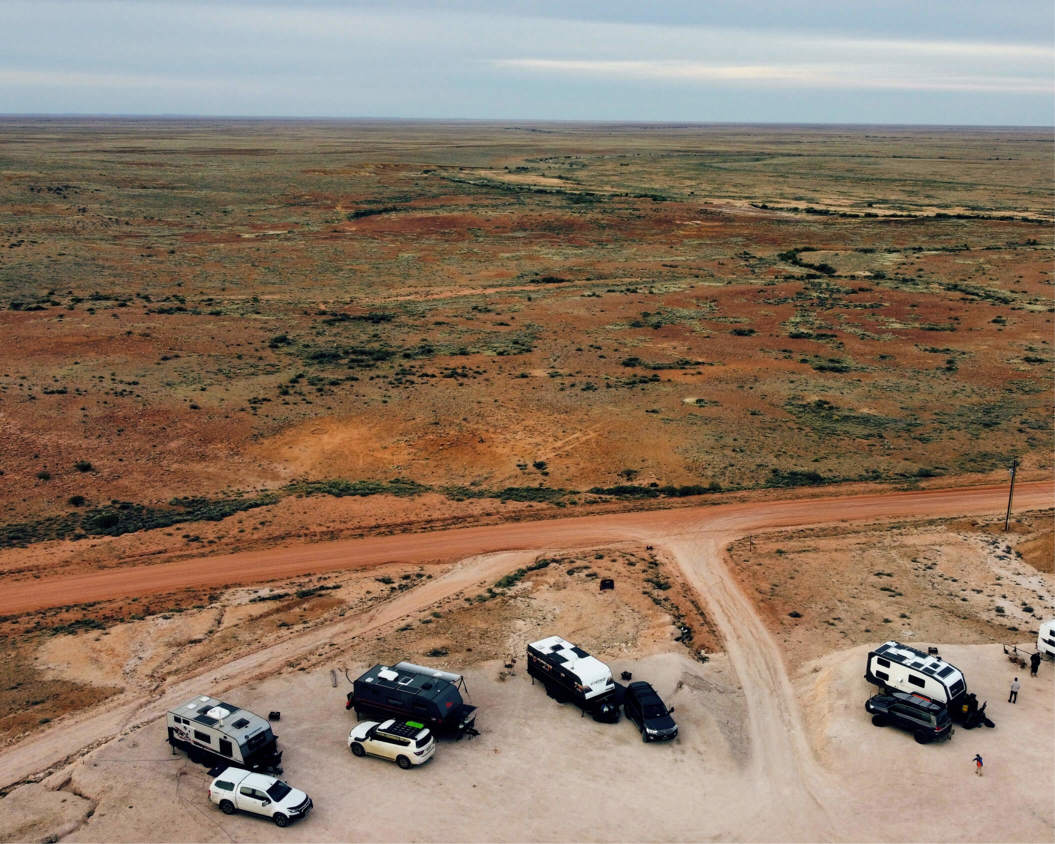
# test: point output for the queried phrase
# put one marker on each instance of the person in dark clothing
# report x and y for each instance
(1034, 663)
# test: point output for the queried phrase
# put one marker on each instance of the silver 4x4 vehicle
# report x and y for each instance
(926, 719)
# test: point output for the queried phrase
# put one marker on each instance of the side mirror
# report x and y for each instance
(670, 711)
(267, 802)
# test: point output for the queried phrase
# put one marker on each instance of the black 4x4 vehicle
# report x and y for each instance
(645, 708)
(926, 719)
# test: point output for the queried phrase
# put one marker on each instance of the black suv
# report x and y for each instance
(644, 707)
(927, 720)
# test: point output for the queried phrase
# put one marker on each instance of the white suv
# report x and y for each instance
(259, 794)
(408, 743)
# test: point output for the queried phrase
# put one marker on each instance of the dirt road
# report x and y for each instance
(447, 545)
(782, 761)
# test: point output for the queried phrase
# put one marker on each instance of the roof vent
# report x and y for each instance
(388, 674)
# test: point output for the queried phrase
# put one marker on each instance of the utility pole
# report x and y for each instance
(1011, 492)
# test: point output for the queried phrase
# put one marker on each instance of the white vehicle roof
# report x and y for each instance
(590, 670)
(260, 781)
(235, 775)
(916, 659)
(240, 724)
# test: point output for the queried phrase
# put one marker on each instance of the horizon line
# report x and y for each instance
(499, 120)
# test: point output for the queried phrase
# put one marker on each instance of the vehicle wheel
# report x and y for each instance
(403, 762)
(280, 819)
(194, 757)
(358, 749)
(922, 737)
(879, 720)
(227, 807)
(644, 738)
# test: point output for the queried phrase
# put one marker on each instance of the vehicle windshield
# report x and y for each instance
(654, 710)
(278, 791)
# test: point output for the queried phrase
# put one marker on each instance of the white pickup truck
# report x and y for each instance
(237, 790)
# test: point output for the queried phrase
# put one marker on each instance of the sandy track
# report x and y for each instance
(459, 543)
(782, 765)
(782, 762)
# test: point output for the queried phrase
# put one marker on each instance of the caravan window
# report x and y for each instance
(916, 681)
(882, 675)
(205, 737)
(225, 747)
(884, 662)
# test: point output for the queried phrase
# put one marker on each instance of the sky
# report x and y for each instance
(952, 62)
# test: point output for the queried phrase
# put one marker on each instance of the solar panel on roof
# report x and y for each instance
(405, 730)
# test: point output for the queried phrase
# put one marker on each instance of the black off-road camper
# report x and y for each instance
(411, 692)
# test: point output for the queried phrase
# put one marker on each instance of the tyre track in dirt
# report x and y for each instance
(781, 758)
(40, 755)
(782, 763)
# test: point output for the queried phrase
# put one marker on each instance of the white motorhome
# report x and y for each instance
(215, 733)
(893, 666)
(1046, 638)
(569, 673)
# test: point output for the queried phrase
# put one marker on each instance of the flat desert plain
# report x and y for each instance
(281, 400)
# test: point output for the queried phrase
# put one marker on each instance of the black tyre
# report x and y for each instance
(922, 737)
(358, 749)
(403, 762)
(879, 720)
(227, 807)
(280, 819)
(195, 757)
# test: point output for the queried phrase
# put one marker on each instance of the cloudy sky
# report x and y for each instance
(967, 62)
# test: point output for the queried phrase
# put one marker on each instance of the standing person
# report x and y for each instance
(977, 764)
(1034, 663)
(1015, 686)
